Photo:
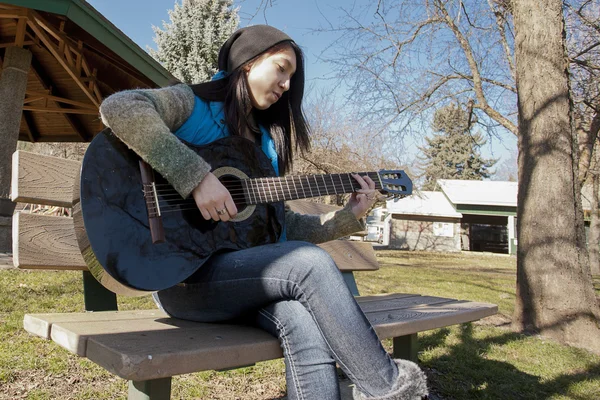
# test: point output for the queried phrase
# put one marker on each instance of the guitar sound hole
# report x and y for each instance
(235, 188)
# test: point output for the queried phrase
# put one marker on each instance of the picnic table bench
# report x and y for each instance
(147, 347)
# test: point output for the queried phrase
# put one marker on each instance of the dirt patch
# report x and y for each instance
(498, 320)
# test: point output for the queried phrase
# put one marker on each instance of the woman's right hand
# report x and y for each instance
(213, 199)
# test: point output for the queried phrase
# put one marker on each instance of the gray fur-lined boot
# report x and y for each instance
(411, 384)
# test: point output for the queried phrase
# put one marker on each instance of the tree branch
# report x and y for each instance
(477, 80)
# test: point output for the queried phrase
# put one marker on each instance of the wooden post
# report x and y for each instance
(13, 84)
(406, 347)
(96, 296)
(155, 389)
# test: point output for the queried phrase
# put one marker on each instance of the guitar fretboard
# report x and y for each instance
(268, 190)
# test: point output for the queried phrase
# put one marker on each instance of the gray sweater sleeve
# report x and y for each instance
(322, 228)
(144, 120)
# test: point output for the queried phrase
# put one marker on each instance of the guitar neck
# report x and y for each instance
(269, 190)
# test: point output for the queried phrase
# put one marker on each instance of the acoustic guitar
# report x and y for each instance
(138, 235)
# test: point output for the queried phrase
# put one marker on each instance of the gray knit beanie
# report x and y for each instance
(247, 43)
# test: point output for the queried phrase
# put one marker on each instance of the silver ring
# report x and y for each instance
(222, 212)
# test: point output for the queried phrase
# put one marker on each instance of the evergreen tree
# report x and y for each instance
(188, 46)
(453, 151)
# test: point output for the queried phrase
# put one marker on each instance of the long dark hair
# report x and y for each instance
(284, 120)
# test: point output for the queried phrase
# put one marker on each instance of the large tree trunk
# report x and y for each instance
(555, 295)
(594, 233)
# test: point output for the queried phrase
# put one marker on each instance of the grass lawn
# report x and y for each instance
(483, 360)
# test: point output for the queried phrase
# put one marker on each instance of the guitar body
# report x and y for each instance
(115, 215)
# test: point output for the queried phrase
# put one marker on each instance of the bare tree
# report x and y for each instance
(342, 143)
(554, 292)
(401, 59)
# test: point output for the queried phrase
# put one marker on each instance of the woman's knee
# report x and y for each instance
(311, 261)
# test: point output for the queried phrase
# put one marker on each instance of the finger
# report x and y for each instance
(231, 208)
(213, 214)
(205, 214)
(363, 185)
(369, 181)
(225, 215)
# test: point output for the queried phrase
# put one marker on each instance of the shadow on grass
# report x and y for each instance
(463, 373)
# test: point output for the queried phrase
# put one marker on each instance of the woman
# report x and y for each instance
(291, 288)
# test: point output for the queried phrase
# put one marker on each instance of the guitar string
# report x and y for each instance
(167, 204)
(312, 180)
(341, 188)
(293, 177)
(270, 185)
(279, 195)
(267, 184)
(171, 197)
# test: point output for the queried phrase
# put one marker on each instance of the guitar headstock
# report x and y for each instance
(395, 183)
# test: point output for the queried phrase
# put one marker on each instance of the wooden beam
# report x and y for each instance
(61, 110)
(14, 13)
(56, 139)
(80, 104)
(11, 44)
(35, 22)
(20, 35)
(47, 83)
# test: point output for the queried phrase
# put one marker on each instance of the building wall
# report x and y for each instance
(425, 233)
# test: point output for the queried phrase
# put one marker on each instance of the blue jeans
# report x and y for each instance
(295, 291)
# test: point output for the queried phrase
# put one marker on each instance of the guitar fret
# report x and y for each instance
(270, 192)
(333, 183)
(302, 186)
(258, 189)
(317, 184)
(309, 188)
(378, 183)
(351, 187)
(247, 193)
(256, 192)
(341, 182)
(324, 183)
(295, 188)
(288, 187)
(282, 191)
(273, 184)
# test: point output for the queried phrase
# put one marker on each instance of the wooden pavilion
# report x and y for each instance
(59, 59)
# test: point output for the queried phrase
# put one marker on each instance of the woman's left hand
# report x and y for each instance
(364, 198)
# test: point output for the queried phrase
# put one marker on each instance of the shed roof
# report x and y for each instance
(485, 193)
(433, 204)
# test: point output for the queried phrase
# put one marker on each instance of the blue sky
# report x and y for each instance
(298, 18)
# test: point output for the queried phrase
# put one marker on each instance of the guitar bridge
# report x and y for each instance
(152, 205)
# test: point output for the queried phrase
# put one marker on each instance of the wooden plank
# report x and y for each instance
(352, 256)
(41, 324)
(158, 348)
(141, 345)
(401, 303)
(43, 179)
(45, 242)
(394, 323)
(376, 297)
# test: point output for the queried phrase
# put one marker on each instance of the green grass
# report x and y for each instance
(483, 360)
